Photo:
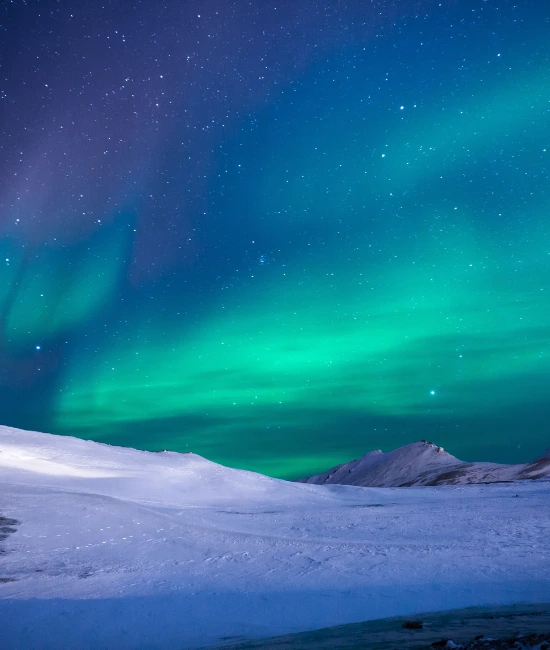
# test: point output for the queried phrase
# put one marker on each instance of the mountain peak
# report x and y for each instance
(425, 463)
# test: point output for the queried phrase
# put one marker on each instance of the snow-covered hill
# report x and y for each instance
(105, 547)
(423, 463)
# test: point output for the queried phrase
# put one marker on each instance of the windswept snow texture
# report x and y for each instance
(118, 548)
(423, 463)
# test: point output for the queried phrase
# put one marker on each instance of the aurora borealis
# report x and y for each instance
(279, 235)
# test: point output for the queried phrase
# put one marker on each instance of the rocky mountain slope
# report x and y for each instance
(424, 463)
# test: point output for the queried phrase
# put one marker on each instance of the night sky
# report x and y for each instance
(279, 235)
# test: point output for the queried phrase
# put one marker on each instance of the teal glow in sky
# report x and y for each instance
(282, 253)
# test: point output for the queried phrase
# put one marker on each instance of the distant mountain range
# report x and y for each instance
(424, 463)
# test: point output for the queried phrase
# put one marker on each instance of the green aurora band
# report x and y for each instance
(452, 324)
(415, 311)
(350, 341)
(55, 291)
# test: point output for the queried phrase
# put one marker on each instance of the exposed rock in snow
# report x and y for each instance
(476, 628)
(424, 463)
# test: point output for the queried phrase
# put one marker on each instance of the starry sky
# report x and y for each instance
(279, 235)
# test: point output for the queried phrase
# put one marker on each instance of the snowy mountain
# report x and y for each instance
(423, 463)
(108, 547)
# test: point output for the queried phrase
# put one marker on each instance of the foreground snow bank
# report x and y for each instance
(117, 548)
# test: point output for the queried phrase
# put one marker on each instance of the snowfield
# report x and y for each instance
(111, 547)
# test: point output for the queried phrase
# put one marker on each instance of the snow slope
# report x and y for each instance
(117, 548)
(423, 463)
